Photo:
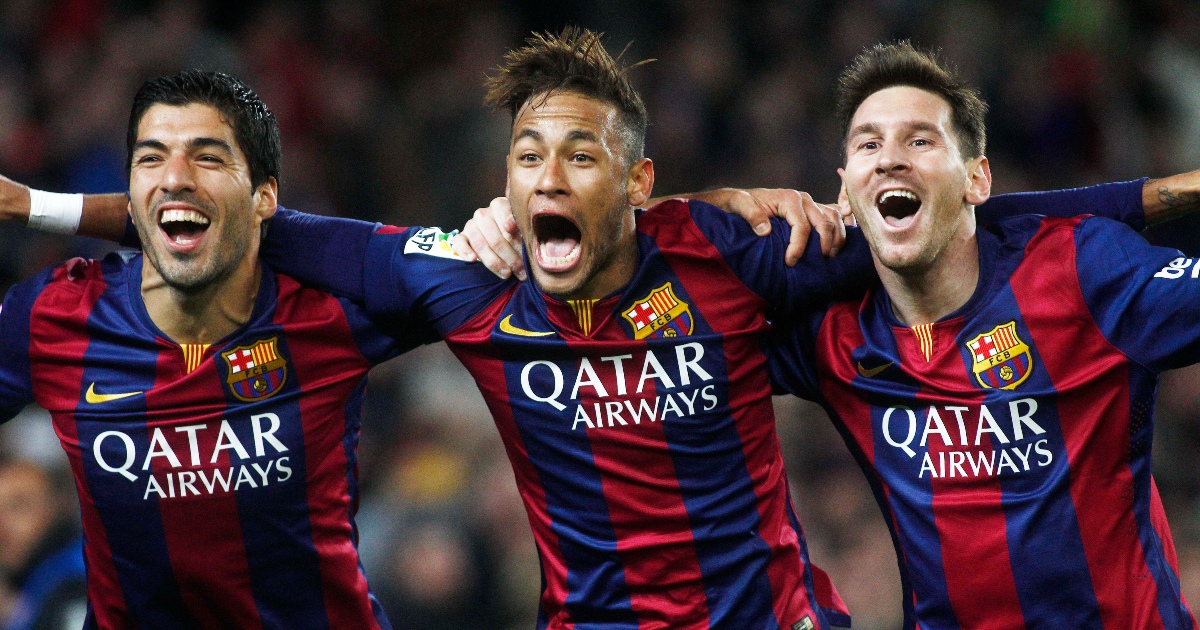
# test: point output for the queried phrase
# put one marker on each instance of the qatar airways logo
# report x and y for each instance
(1012, 444)
(116, 452)
(621, 402)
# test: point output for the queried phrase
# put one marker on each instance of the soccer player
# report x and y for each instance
(998, 388)
(207, 405)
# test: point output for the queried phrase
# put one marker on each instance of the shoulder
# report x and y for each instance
(688, 224)
(71, 280)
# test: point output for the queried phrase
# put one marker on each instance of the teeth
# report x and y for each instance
(897, 193)
(188, 216)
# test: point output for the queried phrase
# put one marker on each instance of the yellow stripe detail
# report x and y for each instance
(193, 355)
(583, 313)
(924, 333)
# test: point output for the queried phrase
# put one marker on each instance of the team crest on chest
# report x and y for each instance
(660, 315)
(256, 371)
(1001, 359)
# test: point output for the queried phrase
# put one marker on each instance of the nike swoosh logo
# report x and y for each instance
(871, 373)
(92, 397)
(507, 327)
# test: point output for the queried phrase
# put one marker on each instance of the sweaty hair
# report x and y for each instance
(573, 61)
(890, 65)
(254, 126)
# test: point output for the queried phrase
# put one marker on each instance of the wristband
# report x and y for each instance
(54, 212)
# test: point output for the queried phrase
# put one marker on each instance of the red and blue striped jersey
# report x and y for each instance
(639, 426)
(1008, 444)
(217, 484)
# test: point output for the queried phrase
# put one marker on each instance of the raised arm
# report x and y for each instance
(491, 236)
(1171, 197)
(99, 216)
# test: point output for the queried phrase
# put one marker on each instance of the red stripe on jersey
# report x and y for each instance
(209, 562)
(967, 513)
(839, 337)
(320, 341)
(469, 343)
(1083, 366)
(728, 306)
(57, 335)
(645, 504)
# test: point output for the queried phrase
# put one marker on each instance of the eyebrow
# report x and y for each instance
(913, 125)
(578, 134)
(528, 133)
(193, 144)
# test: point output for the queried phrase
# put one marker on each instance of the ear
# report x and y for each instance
(266, 199)
(979, 181)
(639, 182)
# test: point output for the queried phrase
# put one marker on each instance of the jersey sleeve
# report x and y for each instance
(791, 354)
(16, 385)
(758, 261)
(380, 338)
(410, 274)
(1121, 201)
(1145, 299)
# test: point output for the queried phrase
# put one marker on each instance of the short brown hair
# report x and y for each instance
(895, 64)
(572, 61)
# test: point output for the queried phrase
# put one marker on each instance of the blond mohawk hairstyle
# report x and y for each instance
(572, 61)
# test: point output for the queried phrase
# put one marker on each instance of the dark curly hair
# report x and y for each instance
(895, 64)
(572, 61)
(254, 126)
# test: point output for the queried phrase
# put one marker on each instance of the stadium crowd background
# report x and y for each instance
(380, 107)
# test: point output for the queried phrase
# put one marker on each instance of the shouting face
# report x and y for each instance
(572, 189)
(190, 196)
(909, 187)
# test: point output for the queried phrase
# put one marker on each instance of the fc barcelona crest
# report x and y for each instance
(659, 315)
(256, 371)
(1002, 360)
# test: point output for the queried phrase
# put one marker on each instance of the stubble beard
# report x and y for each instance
(192, 274)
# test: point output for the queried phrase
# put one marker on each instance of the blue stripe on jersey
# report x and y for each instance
(16, 381)
(131, 517)
(1047, 590)
(574, 494)
(285, 578)
(916, 531)
(715, 482)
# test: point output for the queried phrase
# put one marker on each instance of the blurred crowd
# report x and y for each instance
(380, 107)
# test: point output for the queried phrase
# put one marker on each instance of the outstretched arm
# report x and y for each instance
(491, 236)
(101, 216)
(1171, 197)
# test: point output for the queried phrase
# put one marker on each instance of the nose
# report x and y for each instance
(177, 176)
(892, 159)
(552, 180)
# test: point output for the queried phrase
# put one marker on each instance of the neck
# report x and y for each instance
(925, 296)
(207, 315)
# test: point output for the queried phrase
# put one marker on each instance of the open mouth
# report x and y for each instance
(557, 242)
(183, 227)
(898, 206)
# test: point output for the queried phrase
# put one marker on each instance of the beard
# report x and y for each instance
(194, 272)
